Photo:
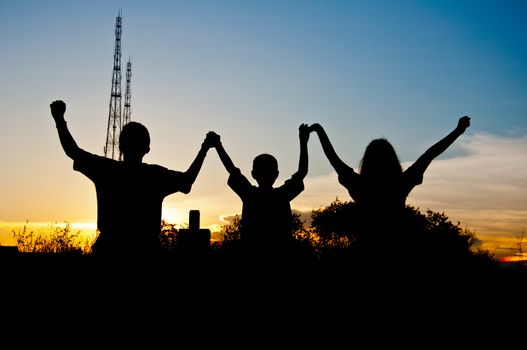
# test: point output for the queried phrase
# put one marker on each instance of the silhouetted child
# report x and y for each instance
(266, 226)
(130, 193)
(381, 188)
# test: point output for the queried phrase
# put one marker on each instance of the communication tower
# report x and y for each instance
(111, 148)
(127, 112)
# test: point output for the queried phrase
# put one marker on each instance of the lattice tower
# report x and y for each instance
(127, 112)
(111, 148)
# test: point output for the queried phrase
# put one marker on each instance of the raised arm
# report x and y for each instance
(224, 157)
(303, 134)
(329, 151)
(193, 171)
(58, 109)
(439, 147)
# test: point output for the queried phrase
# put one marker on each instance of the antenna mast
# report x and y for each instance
(111, 149)
(127, 94)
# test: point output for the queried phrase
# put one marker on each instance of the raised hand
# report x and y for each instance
(211, 140)
(303, 132)
(463, 123)
(58, 108)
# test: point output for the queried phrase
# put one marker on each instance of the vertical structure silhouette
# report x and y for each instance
(194, 241)
(127, 111)
(116, 119)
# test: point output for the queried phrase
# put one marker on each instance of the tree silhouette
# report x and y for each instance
(231, 232)
(302, 249)
(168, 236)
(430, 239)
(332, 223)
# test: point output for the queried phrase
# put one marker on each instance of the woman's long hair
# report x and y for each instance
(380, 161)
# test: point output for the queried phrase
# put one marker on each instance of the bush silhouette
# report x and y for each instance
(429, 237)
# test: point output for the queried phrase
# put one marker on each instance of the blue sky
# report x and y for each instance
(253, 71)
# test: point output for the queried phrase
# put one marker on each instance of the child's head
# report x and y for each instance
(380, 160)
(265, 170)
(134, 140)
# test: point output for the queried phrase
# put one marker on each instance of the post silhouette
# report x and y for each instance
(194, 241)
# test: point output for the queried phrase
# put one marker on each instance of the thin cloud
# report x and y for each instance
(228, 219)
(485, 188)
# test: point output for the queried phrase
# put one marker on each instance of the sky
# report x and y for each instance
(253, 71)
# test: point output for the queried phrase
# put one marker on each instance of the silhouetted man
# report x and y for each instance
(130, 193)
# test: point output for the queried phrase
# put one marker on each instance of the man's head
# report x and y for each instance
(265, 170)
(134, 140)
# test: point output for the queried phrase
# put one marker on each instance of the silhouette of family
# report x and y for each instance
(130, 192)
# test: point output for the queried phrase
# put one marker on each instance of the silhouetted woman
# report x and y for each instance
(381, 187)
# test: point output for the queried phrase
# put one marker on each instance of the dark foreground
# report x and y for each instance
(184, 303)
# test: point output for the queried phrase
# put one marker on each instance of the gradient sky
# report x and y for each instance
(253, 71)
